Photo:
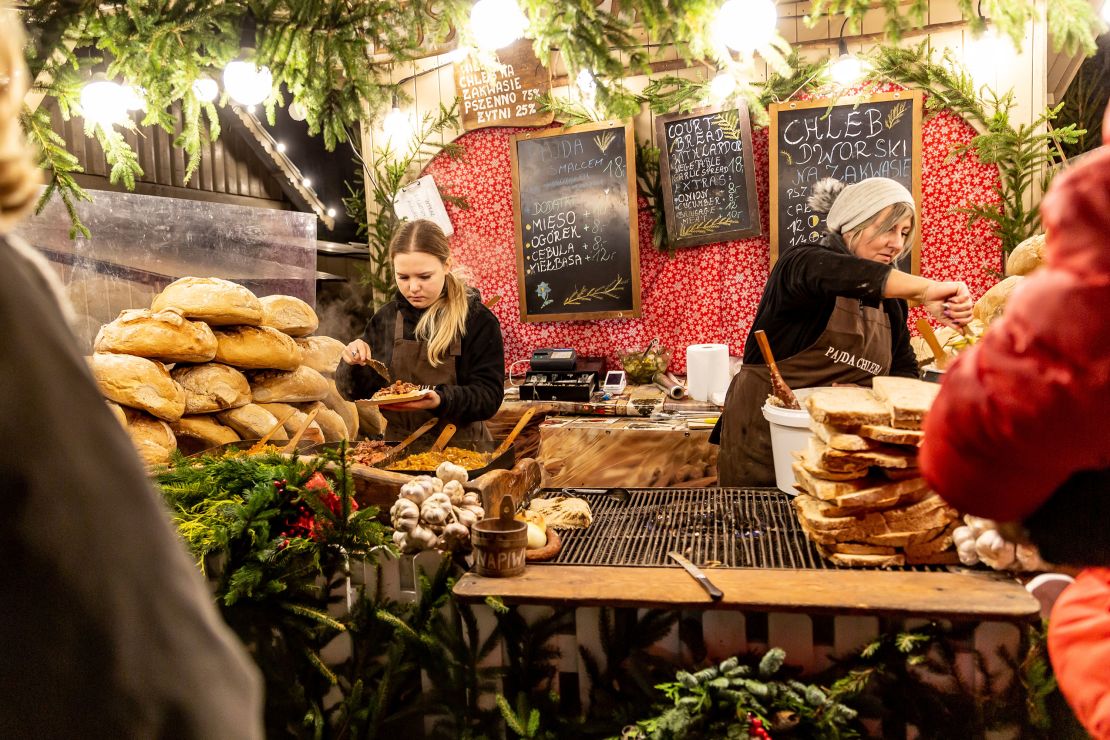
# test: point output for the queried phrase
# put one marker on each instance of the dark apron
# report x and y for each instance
(410, 362)
(853, 348)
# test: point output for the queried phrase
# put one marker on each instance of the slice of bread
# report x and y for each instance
(867, 561)
(900, 473)
(857, 548)
(812, 465)
(945, 557)
(883, 457)
(908, 399)
(824, 488)
(883, 495)
(895, 526)
(890, 435)
(841, 440)
(847, 407)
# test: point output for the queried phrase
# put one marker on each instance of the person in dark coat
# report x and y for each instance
(107, 629)
(435, 332)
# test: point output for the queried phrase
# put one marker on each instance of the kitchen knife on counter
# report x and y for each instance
(714, 593)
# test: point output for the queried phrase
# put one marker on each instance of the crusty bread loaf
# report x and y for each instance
(252, 422)
(846, 407)
(288, 386)
(322, 354)
(153, 438)
(1026, 257)
(293, 419)
(992, 304)
(892, 436)
(346, 409)
(201, 432)
(288, 314)
(840, 440)
(212, 387)
(886, 527)
(212, 300)
(257, 348)
(117, 412)
(158, 335)
(908, 399)
(335, 429)
(139, 383)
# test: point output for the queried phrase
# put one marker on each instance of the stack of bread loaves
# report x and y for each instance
(863, 501)
(210, 363)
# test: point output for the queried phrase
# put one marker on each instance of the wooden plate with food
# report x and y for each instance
(398, 392)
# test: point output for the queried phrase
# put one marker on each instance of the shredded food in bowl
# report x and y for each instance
(468, 459)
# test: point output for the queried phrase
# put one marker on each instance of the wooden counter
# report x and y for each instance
(944, 595)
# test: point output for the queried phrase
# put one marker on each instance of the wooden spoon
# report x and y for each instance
(395, 453)
(300, 432)
(523, 422)
(778, 385)
(930, 338)
(257, 446)
(444, 437)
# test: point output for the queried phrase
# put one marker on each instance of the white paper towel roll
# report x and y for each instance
(706, 370)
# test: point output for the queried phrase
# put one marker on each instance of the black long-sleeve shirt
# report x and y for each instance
(802, 291)
(480, 368)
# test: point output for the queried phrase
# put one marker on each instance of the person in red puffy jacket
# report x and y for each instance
(1018, 432)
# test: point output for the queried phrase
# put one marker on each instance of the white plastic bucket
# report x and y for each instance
(789, 432)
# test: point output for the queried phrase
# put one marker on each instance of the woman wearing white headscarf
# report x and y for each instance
(833, 312)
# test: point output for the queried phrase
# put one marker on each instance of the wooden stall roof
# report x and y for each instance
(943, 595)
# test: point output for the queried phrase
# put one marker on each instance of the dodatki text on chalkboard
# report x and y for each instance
(879, 136)
(575, 223)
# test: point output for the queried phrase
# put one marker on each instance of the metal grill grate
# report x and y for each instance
(725, 527)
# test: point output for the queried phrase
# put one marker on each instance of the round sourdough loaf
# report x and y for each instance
(322, 354)
(295, 386)
(1026, 257)
(117, 412)
(346, 409)
(158, 335)
(330, 422)
(139, 383)
(294, 419)
(992, 304)
(288, 314)
(252, 422)
(257, 348)
(153, 438)
(212, 387)
(215, 301)
(196, 433)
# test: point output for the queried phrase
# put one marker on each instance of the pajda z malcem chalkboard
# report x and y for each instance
(876, 136)
(574, 208)
(705, 166)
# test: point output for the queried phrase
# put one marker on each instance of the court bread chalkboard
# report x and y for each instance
(876, 136)
(705, 165)
(574, 217)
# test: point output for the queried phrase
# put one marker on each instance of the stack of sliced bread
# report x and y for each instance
(211, 363)
(862, 499)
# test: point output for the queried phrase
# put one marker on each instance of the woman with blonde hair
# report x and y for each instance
(435, 332)
(833, 312)
(108, 628)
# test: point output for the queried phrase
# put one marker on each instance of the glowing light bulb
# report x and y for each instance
(457, 55)
(1106, 11)
(104, 102)
(281, 147)
(847, 70)
(745, 25)
(246, 83)
(397, 128)
(987, 54)
(496, 23)
(297, 111)
(206, 89)
(331, 213)
(306, 182)
(722, 86)
(587, 85)
(134, 98)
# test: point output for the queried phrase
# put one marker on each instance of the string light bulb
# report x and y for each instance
(104, 102)
(496, 23)
(848, 69)
(306, 182)
(985, 55)
(297, 111)
(397, 128)
(722, 86)
(246, 83)
(206, 89)
(745, 25)
(281, 147)
(331, 213)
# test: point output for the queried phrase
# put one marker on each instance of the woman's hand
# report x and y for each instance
(356, 353)
(949, 303)
(427, 402)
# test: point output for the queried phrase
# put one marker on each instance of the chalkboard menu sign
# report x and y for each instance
(574, 203)
(876, 136)
(506, 96)
(705, 164)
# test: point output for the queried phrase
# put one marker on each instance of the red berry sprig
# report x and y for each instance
(756, 728)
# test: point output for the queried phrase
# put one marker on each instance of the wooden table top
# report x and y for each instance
(945, 595)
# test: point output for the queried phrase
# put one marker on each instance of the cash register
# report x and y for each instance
(559, 374)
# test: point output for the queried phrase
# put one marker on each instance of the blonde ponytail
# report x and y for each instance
(444, 321)
(19, 177)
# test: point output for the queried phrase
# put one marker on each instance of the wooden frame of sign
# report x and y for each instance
(707, 232)
(894, 167)
(627, 178)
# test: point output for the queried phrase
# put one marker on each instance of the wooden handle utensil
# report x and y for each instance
(443, 438)
(292, 446)
(381, 369)
(523, 422)
(395, 453)
(778, 385)
(257, 446)
(930, 338)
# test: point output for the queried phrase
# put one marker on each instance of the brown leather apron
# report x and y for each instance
(853, 348)
(410, 362)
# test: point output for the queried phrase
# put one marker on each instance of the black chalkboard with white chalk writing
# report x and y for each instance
(705, 167)
(574, 208)
(875, 136)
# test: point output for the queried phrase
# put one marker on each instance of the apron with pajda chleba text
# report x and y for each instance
(853, 348)
(410, 362)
